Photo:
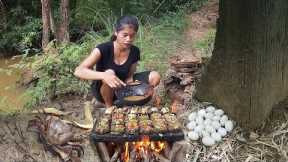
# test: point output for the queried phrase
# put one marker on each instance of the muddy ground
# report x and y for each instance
(19, 145)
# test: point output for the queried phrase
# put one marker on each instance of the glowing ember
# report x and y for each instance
(126, 155)
(145, 147)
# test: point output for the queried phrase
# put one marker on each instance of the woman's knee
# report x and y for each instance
(154, 78)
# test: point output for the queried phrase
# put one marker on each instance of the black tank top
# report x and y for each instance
(107, 60)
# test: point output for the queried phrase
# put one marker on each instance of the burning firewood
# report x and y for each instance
(160, 157)
(103, 151)
(116, 154)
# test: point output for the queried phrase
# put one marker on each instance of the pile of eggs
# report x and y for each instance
(210, 124)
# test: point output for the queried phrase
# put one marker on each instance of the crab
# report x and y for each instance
(57, 137)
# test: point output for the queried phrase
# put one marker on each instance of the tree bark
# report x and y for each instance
(45, 22)
(52, 22)
(248, 72)
(63, 35)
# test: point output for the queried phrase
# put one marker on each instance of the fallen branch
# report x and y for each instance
(103, 151)
(116, 154)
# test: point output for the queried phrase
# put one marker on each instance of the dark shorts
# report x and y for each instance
(96, 84)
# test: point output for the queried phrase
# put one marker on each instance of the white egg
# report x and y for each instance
(216, 124)
(209, 129)
(191, 125)
(209, 115)
(204, 133)
(208, 141)
(222, 131)
(210, 108)
(223, 119)
(207, 122)
(216, 136)
(192, 116)
(216, 118)
(193, 135)
(219, 112)
(201, 112)
(229, 125)
(198, 128)
(199, 120)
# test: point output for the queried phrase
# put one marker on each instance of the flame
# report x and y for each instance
(126, 155)
(158, 146)
(144, 146)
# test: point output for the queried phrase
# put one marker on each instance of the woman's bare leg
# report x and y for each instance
(107, 92)
(154, 78)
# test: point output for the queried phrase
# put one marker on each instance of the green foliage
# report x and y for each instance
(160, 40)
(93, 13)
(206, 45)
(55, 70)
(22, 38)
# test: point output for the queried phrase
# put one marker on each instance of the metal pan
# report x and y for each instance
(140, 92)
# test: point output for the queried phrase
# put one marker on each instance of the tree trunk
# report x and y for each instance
(52, 22)
(45, 22)
(63, 35)
(248, 72)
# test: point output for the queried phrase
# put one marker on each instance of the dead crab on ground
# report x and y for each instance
(57, 136)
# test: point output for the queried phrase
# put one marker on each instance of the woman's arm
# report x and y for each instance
(132, 70)
(84, 71)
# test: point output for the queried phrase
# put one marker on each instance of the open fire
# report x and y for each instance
(143, 150)
(139, 134)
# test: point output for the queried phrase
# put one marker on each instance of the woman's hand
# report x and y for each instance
(112, 80)
(129, 80)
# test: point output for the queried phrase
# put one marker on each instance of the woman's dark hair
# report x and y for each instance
(131, 21)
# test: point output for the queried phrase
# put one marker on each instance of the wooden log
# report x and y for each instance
(132, 155)
(160, 158)
(103, 151)
(116, 154)
(167, 150)
(178, 151)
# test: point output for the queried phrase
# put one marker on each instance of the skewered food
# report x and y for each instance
(172, 122)
(132, 127)
(155, 116)
(145, 126)
(117, 122)
(170, 117)
(109, 110)
(160, 127)
(173, 126)
(120, 110)
(143, 117)
(117, 129)
(134, 110)
(132, 117)
(153, 110)
(144, 110)
(165, 110)
(133, 120)
(118, 116)
(103, 126)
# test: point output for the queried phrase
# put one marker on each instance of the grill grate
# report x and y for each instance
(167, 136)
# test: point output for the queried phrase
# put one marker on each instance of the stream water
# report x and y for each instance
(11, 95)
